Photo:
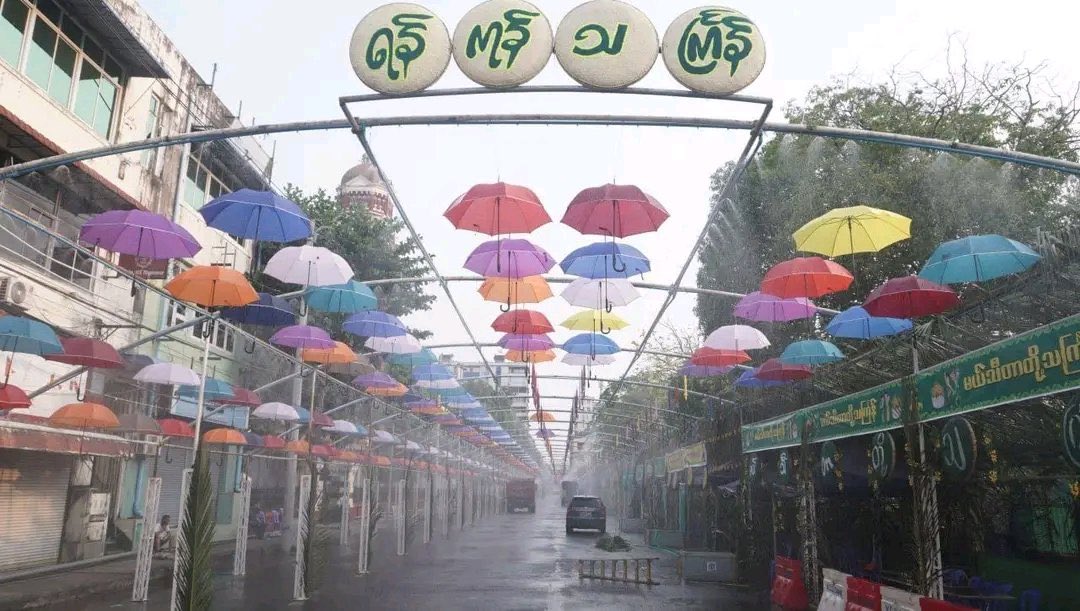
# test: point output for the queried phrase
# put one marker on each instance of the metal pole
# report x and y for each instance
(141, 584)
(302, 524)
(240, 556)
(365, 525)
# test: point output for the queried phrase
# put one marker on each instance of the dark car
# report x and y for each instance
(586, 512)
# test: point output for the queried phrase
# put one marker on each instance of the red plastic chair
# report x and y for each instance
(788, 590)
(933, 604)
(862, 595)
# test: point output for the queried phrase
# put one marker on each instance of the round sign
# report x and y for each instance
(502, 43)
(882, 456)
(606, 44)
(958, 449)
(400, 48)
(714, 49)
(1070, 432)
(829, 464)
(783, 468)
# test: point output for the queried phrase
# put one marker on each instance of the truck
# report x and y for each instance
(521, 494)
(569, 491)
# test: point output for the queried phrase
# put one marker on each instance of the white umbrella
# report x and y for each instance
(167, 373)
(343, 426)
(412, 446)
(579, 360)
(402, 344)
(308, 266)
(381, 436)
(599, 294)
(736, 337)
(275, 410)
(451, 383)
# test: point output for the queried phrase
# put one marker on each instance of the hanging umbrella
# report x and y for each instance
(424, 357)
(910, 297)
(591, 344)
(525, 343)
(343, 427)
(600, 294)
(845, 231)
(374, 324)
(275, 410)
(605, 260)
(614, 210)
(522, 321)
(376, 379)
(267, 311)
(812, 352)
(340, 354)
(84, 416)
(297, 446)
(775, 370)
(396, 391)
(347, 298)
(241, 397)
(806, 277)
(497, 209)
(321, 420)
(303, 337)
(28, 336)
(413, 401)
(322, 451)
(252, 440)
(224, 436)
(532, 289)
(978, 259)
(433, 371)
(737, 337)
(140, 234)
(749, 379)
(441, 384)
(380, 436)
(762, 307)
(542, 416)
(857, 323)
(13, 397)
(545, 434)
(257, 215)
(718, 357)
(168, 374)
(171, 427)
(579, 360)
(704, 371)
(138, 423)
(595, 321)
(308, 266)
(509, 259)
(273, 442)
(214, 391)
(87, 352)
(404, 344)
(533, 356)
(212, 286)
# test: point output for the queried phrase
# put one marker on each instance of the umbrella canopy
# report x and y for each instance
(138, 423)
(424, 357)
(303, 337)
(600, 294)
(532, 289)
(579, 360)
(545, 434)
(763, 307)
(396, 391)
(241, 397)
(322, 451)
(522, 321)
(542, 417)
(704, 371)
(340, 354)
(812, 352)
(87, 352)
(404, 344)
(614, 210)
(347, 298)
(375, 379)
(374, 324)
(140, 234)
(266, 311)
(381, 436)
(605, 260)
(212, 286)
(252, 440)
(257, 215)
(297, 446)
(432, 371)
(845, 231)
(595, 321)
(321, 420)
(737, 337)
(172, 427)
(591, 344)
(215, 390)
(533, 356)
(273, 442)
(775, 370)
(806, 277)
(224, 436)
(449, 383)
(718, 357)
(910, 297)
(525, 343)
(345, 427)
(509, 259)
(978, 259)
(276, 411)
(308, 266)
(857, 323)
(13, 397)
(497, 209)
(749, 379)
(28, 336)
(167, 373)
(84, 416)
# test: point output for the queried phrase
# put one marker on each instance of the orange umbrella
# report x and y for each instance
(533, 356)
(545, 416)
(298, 446)
(85, 416)
(394, 391)
(340, 354)
(530, 289)
(225, 436)
(380, 461)
(212, 286)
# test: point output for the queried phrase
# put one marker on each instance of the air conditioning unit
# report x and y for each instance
(14, 292)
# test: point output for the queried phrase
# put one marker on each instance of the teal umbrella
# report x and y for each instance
(347, 298)
(811, 352)
(424, 357)
(28, 336)
(215, 390)
(977, 259)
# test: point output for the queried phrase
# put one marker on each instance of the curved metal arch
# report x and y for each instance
(631, 382)
(570, 397)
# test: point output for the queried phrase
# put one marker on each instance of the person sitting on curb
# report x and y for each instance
(164, 543)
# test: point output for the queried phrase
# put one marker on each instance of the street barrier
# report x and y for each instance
(613, 574)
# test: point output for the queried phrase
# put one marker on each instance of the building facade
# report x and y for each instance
(362, 186)
(513, 378)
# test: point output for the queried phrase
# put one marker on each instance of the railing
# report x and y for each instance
(613, 575)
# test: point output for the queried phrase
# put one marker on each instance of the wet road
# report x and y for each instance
(521, 561)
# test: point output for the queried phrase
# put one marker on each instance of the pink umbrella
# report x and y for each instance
(525, 342)
(614, 210)
(303, 336)
(762, 307)
(737, 337)
(509, 259)
(375, 379)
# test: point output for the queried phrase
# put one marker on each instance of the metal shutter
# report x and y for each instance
(33, 493)
(171, 474)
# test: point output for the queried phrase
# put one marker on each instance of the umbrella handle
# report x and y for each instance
(250, 350)
(168, 457)
(608, 307)
(505, 307)
(615, 265)
(604, 330)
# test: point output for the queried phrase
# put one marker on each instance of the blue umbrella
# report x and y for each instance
(977, 259)
(590, 343)
(253, 440)
(460, 397)
(215, 389)
(268, 311)
(424, 357)
(257, 215)
(857, 323)
(812, 352)
(374, 324)
(347, 298)
(605, 260)
(749, 379)
(431, 373)
(28, 336)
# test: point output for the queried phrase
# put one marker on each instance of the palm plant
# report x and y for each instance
(194, 578)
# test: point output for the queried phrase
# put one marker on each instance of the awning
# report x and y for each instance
(38, 438)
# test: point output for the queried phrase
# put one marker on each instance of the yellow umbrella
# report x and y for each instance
(594, 321)
(846, 231)
(545, 416)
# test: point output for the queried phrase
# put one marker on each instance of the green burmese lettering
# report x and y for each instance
(604, 43)
(492, 40)
(405, 45)
(693, 49)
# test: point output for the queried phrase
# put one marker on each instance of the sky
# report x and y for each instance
(286, 64)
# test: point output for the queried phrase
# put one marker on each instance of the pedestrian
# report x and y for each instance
(163, 537)
(258, 522)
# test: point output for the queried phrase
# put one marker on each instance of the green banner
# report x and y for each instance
(1041, 362)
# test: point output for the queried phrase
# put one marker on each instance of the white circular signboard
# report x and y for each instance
(606, 44)
(502, 43)
(714, 49)
(400, 48)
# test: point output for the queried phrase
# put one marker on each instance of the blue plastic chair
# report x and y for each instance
(954, 577)
(1030, 600)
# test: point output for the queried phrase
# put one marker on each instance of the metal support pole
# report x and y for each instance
(365, 526)
(240, 556)
(346, 505)
(143, 558)
(399, 514)
(302, 524)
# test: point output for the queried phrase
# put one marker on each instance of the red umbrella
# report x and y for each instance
(910, 297)
(13, 397)
(775, 370)
(171, 427)
(322, 420)
(614, 210)
(321, 451)
(242, 397)
(273, 442)
(496, 209)
(525, 322)
(806, 277)
(87, 352)
(714, 357)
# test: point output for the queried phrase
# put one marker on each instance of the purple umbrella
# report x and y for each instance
(703, 371)
(763, 307)
(375, 379)
(140, 234)
(526, 343)
(509, 259)
(303, 336)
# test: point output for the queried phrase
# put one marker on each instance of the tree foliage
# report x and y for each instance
(195, 576)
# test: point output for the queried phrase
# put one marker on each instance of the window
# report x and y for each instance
(152, 129)
(222, 338)
(201, 184)
(13, 17)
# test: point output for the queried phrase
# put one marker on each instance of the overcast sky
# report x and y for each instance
(288, 61)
